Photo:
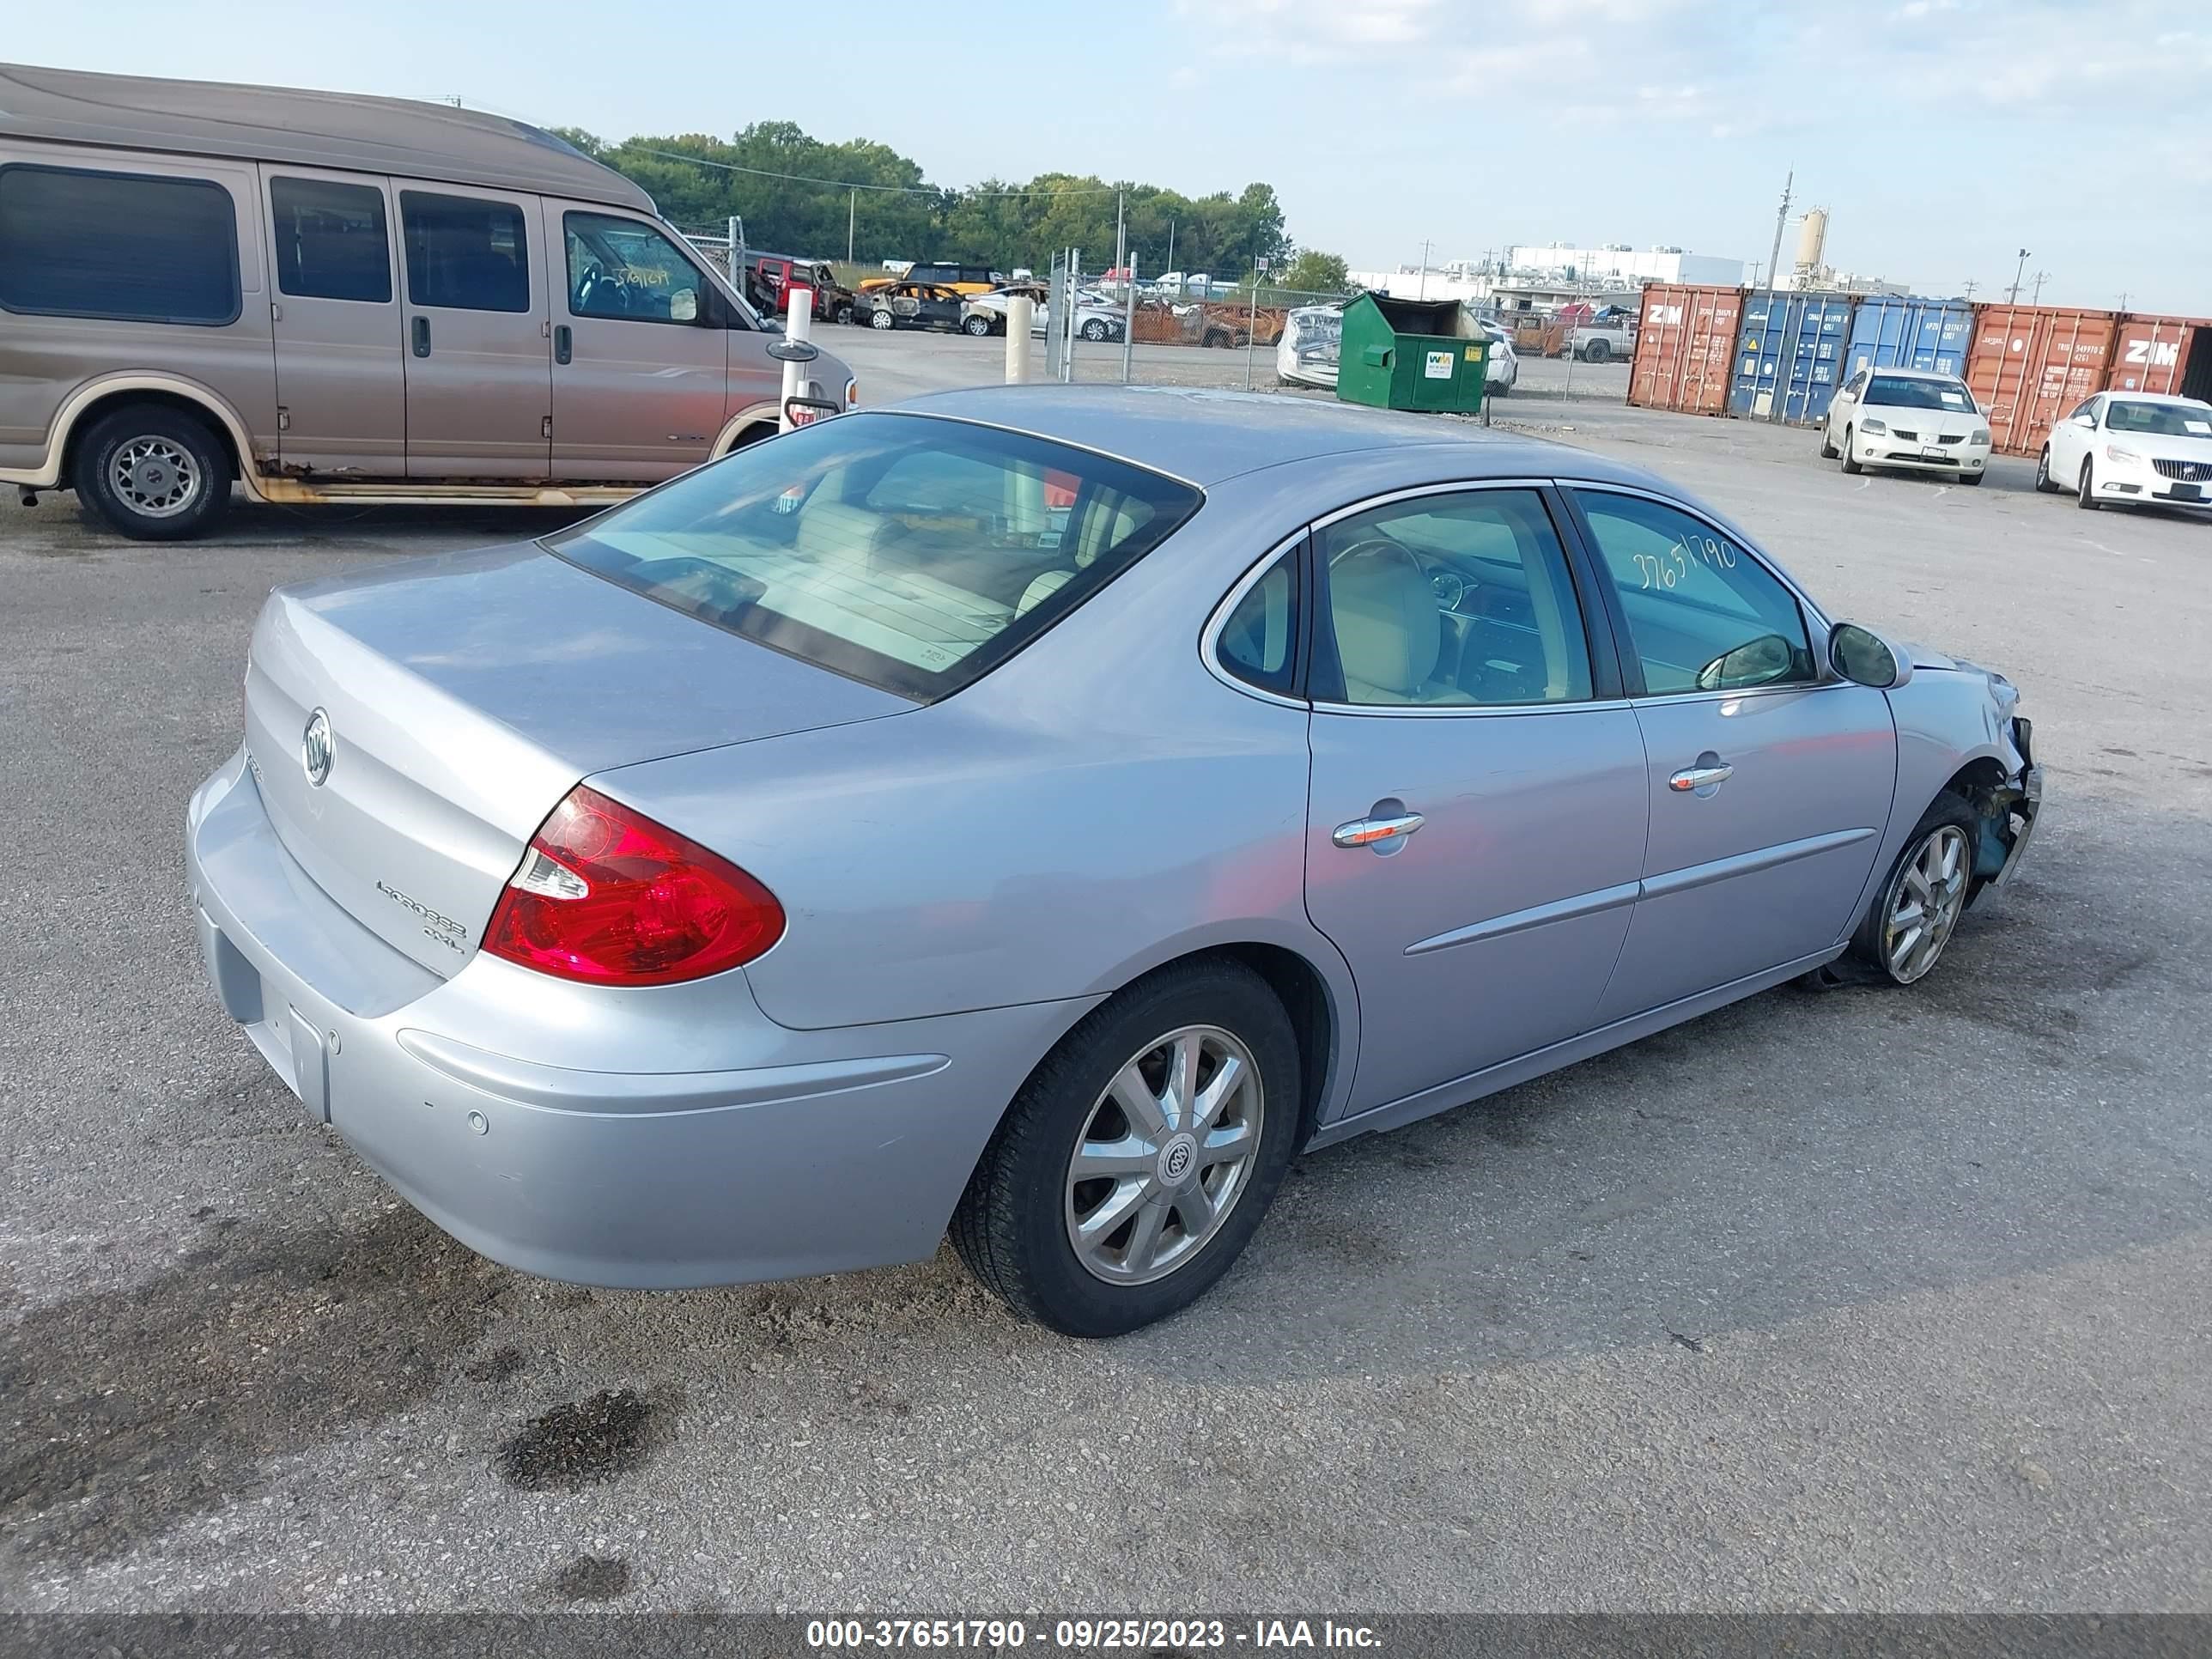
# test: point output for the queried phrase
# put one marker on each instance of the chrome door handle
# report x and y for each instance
(1700, 777)
(1366, 832)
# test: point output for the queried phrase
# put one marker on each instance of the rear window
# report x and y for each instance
(79, 243)
(910, 552)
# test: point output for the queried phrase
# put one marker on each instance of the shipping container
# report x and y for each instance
(1888, 331)
(2030, 366)
(1789, 359)
(2163, 353)
(1685, 348)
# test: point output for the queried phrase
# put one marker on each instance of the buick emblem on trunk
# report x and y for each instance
(315, 747)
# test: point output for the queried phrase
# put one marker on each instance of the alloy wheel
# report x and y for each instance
(1925, 903)
(1163, 1155)
(154, 477)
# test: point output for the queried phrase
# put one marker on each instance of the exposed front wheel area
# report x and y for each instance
(1136, 1162)
(1915, 914)
(153, 472)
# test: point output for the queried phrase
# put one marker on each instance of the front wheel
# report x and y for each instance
(1827, 445)
(1094, 330)
(845, 315)
(1971, 478)
(1136, 1163)
(881, 319)
(1851, 461)
(1903, 933)
(978, 326)
(2087, 498)
(153, 472)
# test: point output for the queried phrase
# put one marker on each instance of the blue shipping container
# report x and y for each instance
(1889, 332)
(1790, 370)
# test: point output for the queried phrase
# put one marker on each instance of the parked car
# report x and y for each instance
(1916, 420)
(830, 904)
(2129, 448)
(206, 283)
(952, 274)
(770, 275)
(1501, 369)
(1306, 352)
(1095, 318)
(1602, 341)
(910, 304)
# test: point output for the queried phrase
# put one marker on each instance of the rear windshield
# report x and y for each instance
(2160, 420)
(1904, 393)
(910, 552)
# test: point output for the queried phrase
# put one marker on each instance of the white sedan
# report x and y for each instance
(2131, 447)
(1502, 370)
(1915, 420)
(985, 313)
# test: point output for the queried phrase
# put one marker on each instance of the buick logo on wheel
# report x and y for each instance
(315, 747)
(1176, 1157)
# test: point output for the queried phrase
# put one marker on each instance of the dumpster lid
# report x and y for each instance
(1433, 317)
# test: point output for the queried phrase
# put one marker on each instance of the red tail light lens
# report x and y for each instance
(608, 897)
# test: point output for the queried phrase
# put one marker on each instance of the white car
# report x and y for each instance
(2130, 448)
(1306, 352)
(985, 313)
(1915, 420)
(1502, 369)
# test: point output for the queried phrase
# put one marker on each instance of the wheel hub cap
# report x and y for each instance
(155, 476)
(1164, 1156)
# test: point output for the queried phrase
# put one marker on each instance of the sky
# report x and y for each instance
(1943, 136)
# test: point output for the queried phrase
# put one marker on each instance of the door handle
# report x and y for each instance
(564, 344)
(422, 336)
(1366, 832)
(1710, 773)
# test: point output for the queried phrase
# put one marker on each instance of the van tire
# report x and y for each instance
(177, 489)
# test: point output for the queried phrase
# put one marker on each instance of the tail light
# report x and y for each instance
(608, 897)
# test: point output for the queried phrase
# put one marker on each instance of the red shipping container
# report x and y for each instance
(2031, 365)
(1686, 349)
(2156, 353)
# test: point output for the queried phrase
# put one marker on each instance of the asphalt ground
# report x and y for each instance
(1851, 1300)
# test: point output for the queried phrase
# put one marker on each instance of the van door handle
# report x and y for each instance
(422, 336)
(563, 344)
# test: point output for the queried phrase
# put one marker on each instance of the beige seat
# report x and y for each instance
(1387, 636)
(839, 533)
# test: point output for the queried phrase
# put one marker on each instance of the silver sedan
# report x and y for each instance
(1040, 812)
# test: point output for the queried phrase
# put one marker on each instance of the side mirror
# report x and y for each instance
(2087, 422)
(1864, 658)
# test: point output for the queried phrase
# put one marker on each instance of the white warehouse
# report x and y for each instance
(1639, 265)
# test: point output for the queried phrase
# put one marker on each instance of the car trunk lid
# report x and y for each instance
(462, 698)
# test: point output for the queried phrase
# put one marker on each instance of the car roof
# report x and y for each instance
(298, 128)
(1205, 436)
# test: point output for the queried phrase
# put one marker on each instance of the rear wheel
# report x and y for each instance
(1913, 915)
(1094, 330)
(2086, 498)
(1138, 1160)
(1851, 461)
(155, 473)
(845, 314)
(1596, 352)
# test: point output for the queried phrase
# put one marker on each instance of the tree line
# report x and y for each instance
(998, 222)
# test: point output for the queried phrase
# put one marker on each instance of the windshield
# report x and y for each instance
(2160, 420)
(912, 553)
(1905, 392)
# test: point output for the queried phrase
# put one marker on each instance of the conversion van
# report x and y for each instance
(332, 299)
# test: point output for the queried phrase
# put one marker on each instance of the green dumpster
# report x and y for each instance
(1412, 354)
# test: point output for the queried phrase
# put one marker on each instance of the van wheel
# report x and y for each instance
(1136, 1161)
(155, 473)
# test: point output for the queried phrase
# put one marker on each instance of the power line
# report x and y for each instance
(847, 184)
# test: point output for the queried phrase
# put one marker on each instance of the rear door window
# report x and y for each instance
(912, 553)
(330, 241)
(465, 254)
(77, 242)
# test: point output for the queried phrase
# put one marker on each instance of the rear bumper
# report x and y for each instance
(635, 1138)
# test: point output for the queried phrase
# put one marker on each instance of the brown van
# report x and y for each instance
(332, 299)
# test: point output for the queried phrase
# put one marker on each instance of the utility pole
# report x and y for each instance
(2018, 276)
(2041, 277)
(1774, 259)
(1122, 232)
(1971, 286)
(2124, 298)
(852, 214)
(1423, 293)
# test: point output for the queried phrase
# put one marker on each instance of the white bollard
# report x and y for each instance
(797, 325)
(1021, 312)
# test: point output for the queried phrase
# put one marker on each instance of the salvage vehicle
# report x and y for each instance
(2136, 448)
(337, 299)
(910, 305)
(1602, 342)
(1909, 420)
(1041, 811)
(1095, 319)
(770, 276)
(961, 278)
(1306, 354)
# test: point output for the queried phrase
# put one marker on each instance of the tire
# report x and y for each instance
(1597, 351)
(1014, 1226)
(1970, 479)
(1880, 946)
(2086, 496)
(1851, 461)
(845, 315)
(1094, 330)
(978, 326)
(1827, 446)
(1215, 338)
(881, 319)
(2043, 483)
(153, 473)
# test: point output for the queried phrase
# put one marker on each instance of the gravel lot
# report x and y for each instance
(1844, 1300)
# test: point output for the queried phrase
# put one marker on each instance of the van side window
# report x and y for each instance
(79, 243)
(331, 242)
(465, 254)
